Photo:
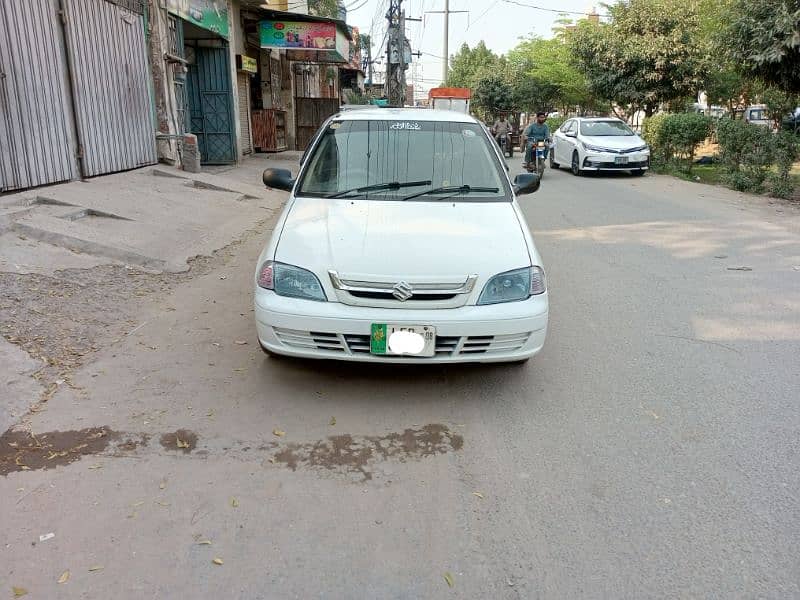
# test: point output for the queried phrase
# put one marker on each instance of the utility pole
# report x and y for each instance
(395, 55)
(446, 39)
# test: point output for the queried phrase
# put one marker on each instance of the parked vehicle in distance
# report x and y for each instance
(402, 242)
(757, 115)
(456, 99)
(599, 144)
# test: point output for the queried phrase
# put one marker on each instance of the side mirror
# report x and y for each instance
(526, 183)
(280, 179)
(572, 134)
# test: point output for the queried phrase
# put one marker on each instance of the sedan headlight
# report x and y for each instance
(290, 281)
(591, 148)
(513, 286)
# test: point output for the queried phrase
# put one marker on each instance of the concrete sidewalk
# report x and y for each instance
(78, 259)
(155, 218)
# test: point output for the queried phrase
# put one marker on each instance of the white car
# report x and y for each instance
(402, 241)
(603, 144)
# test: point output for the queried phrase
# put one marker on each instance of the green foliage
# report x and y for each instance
(785, 150)
(651, 51)
(545, 77)
(651, 130)
(324, 8)
(469, 65)
(555, 122)
(779, 103)
(492, 94)
(746, 152)
(763, 38)
(674, 138)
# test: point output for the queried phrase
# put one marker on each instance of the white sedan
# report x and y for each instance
(599, 145)
(402, 241)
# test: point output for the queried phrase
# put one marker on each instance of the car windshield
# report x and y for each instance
(604, 128)
(399, 158)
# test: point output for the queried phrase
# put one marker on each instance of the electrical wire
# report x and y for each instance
(553, 10)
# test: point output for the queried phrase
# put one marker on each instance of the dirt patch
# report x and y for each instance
(349, 454)
(61, 319)
(24, 451)
(183, 440)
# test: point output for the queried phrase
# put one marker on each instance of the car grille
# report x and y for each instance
(388, 296)
(359, 343)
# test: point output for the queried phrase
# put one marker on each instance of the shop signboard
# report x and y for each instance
(316, 41)
(211, 15)
(246, 63)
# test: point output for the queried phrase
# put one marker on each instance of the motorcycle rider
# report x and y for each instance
(501, 127)
(535, 132)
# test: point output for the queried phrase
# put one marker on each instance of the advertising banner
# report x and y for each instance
(312, 41)
(208, 14)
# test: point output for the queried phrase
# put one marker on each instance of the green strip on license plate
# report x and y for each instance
(377, 341)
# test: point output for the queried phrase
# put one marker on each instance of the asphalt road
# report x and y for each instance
(651, 451)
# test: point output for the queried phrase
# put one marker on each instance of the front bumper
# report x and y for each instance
(332, 330)
(606, 161)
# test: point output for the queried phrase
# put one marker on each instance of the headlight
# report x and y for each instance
(287, 280)
(591, 148)
(513, 286)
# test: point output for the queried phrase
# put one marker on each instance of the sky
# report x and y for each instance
(499, 23)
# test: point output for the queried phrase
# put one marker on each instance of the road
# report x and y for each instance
(650, 451)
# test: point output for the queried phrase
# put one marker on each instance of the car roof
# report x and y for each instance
(404, 114)
(590, 119)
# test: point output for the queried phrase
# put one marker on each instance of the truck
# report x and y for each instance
(445, 98)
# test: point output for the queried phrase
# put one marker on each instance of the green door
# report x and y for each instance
(210, 115)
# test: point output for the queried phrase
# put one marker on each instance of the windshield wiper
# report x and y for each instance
(457, 189)
(390, 185)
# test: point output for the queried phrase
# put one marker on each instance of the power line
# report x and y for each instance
(553, 10)
(483, 14)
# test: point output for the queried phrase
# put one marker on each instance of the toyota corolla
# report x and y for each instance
(401, 241)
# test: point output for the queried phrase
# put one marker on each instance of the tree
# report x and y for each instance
(324, 8)
(764, 39)
(469, 65)
(544, 76)
(650, 52)
(493, 95)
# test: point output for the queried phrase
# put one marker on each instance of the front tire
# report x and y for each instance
(575, 167)
(553, 164)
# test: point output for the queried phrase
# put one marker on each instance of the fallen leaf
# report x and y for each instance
(333, 421)
(204, 543)
(162, 485)
(272, 459)
(94, 467)
(478, 494)
(449, 579)
(64, 577)
(46, 536)
(721, 256)
(96, 568)
(180, 443)
(217, 561)
(278, 432)
(210, 413)
(241, 342)
(19, 591)
(740, 269)
(135, 504)
(234, 503)
(162, 503)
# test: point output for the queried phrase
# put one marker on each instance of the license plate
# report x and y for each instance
(403, 340)
(621, 160)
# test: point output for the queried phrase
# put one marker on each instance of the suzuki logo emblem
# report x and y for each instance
(402, 291)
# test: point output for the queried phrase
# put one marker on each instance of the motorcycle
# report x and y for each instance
(537, 163)
(506, 144)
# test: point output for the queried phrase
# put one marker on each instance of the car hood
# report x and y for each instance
(614, 142)
(416, 241)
